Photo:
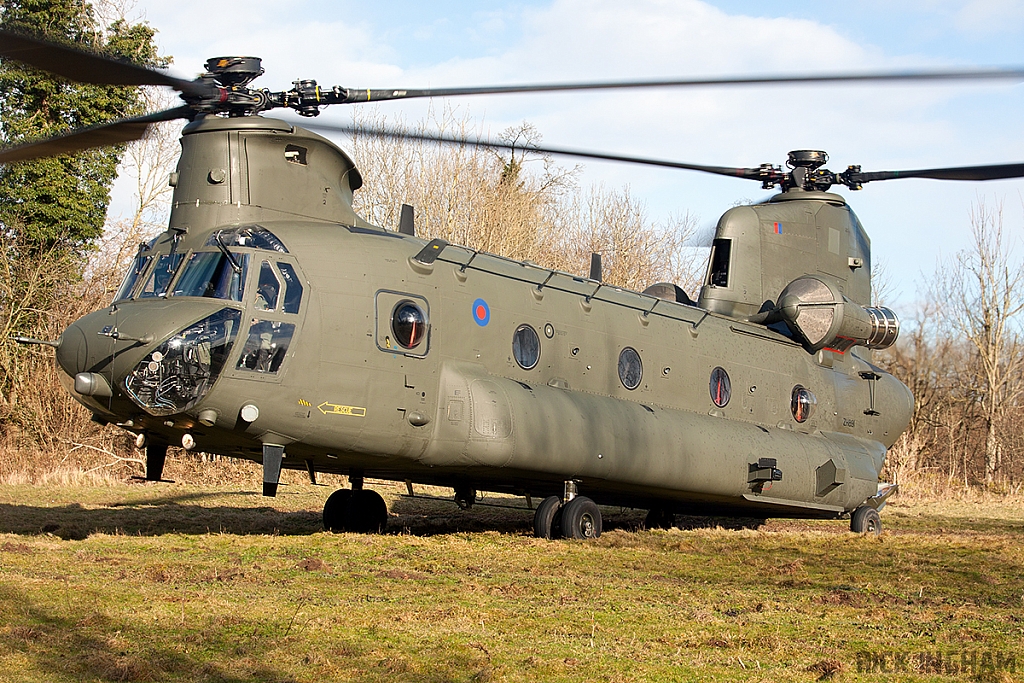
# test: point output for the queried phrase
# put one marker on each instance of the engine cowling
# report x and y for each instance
(814, 308)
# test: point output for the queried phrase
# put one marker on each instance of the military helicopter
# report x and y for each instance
(270, 322)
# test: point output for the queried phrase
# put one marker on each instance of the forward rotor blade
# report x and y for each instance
(113, 133)
(749, 173)
(990, 172)
(1011, 73)
(86, 67)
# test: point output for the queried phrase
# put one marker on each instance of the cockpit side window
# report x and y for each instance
(267, 289)
(293, 288)
(161, 276)
(266, 346)
(211, 274)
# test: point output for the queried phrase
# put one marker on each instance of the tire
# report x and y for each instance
(659, 518)
(367, 512)
(336, 510)
(547, 519)
(581, 519)
(865, 520)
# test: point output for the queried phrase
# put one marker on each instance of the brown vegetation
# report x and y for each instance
(963, 358)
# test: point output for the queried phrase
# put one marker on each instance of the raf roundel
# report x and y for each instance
(481, 312)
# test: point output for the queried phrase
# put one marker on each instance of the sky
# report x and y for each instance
(913, 223)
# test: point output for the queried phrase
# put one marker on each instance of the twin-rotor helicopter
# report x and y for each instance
(270, 322)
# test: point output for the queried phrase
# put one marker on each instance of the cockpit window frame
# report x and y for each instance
(279, 315)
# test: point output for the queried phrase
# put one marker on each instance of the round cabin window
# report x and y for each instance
(803, 404)
(409, 324)
(631, 370)
(721, 387)
(526, 347)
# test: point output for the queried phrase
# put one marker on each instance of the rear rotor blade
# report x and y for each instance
(750, 173)
(1012, 73)
(989, 172)
(86, 67)
(113, 133)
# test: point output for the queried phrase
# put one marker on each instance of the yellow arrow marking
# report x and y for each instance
(335, 409)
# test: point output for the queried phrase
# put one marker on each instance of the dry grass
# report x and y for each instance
(157, 582)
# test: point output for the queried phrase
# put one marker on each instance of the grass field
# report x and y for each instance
(140, 582)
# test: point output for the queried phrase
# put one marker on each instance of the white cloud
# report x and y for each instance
(987, 17)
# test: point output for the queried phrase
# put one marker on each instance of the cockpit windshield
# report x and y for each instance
(212, 274)
(138, 267)
(160, 278)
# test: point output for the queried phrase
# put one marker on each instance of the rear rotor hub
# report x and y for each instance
(234, 72)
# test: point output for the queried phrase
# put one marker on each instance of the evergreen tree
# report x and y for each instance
(61, 202)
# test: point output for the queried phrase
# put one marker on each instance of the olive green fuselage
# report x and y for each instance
(458, 409)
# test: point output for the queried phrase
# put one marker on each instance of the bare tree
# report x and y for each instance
(517, 204)
(982, 289)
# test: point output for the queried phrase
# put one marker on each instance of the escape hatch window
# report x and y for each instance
(160, 278)
(251, 236)
(267, 289)
(408, 324)
(718, 276)
(266, 346)
(211, 274)
(402, 323)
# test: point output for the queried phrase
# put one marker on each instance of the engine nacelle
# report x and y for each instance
(814, 308)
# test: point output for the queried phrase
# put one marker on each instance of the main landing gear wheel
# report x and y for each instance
(865, 520)
(336, 510)
(362, 511)
(659, 518)
(547, 518)
(581, 519)
(367, 512)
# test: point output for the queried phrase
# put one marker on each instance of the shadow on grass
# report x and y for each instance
(185, 514)
(429, 517)
(74, 522)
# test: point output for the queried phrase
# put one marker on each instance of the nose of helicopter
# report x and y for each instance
(73, 350)
(87, 353)
(163, 356)
(96, 350)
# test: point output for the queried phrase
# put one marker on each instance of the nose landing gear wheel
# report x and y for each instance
(581, 519)
(865, 520)
(547, 519)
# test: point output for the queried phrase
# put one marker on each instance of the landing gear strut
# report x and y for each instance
(156, 454)
(659, 518)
